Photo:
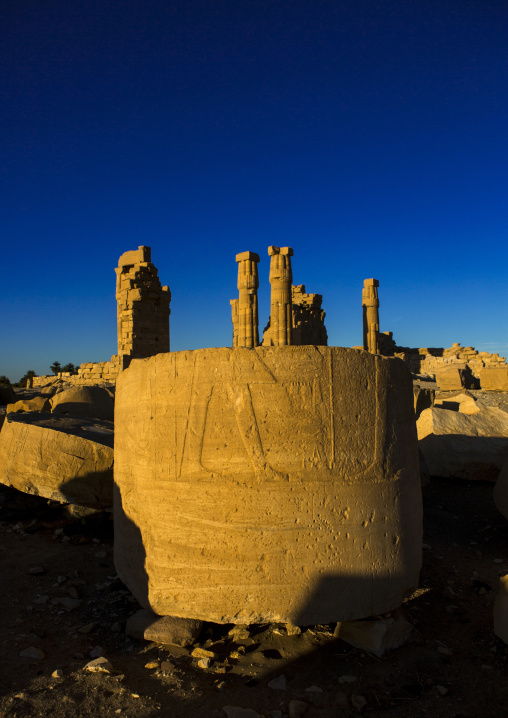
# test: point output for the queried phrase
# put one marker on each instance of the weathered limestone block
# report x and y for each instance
(494, 378)
(379, 635)
(279, 330)
(267, 484)
(38, 403)
(454, 376)
(462, 401)
(92, 401)
(144, 624)
(472, 447)
(64, 459)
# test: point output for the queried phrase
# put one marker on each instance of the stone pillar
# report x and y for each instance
(279, 331)
(142, 307)
(370, 304)
(234, 319)
(245, 308)
(308, 318)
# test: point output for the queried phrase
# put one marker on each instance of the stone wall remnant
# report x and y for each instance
(308, 318)
(309, 500)
(244, 310)
(370, 304)
(142, 307)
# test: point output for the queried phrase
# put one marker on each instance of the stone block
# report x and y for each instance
(454, 376)
(271, 484)
(377, 636)
(89, 401)
(494, 378)
(38, 403)
(463, 446)
(67, 460)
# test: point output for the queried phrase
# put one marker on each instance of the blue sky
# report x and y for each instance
(371, 136)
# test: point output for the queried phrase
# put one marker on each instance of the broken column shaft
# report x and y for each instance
(245, 308)
(281, 278)
(370, 304)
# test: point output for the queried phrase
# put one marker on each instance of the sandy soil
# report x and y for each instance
(457, 666)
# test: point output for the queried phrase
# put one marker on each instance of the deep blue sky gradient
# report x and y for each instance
(371, 136)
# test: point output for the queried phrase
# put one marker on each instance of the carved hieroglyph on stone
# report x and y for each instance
(244, 310)
(308, 318)
(142, 307)
(274, 484)
(370, 304)
(280, 325)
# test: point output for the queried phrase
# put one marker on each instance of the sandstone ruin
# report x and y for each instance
(308, 318)
(259, 485)
(245, 308)
(370, 304)
(279, 330)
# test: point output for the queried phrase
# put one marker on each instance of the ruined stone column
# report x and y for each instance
(142, 307)
(234, 319)
(370, 304)
(279, 332)
(246, 308)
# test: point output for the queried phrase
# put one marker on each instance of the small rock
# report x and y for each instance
(377, 636)
(58, 673)
(145, 624)
(205, 662)
(40, 600)
(72, 591)
(167, 667)
(358, 702)
(445, 651)
(347, 679)
(293, 630)
(96, 652)
(153, 664)
(296, 709)
(33, 652)
(442, 690)
(313, 689)
(66, 602)
(87, 628)
(36, 571)
(99, 665)
(236, 712)
(221, 687)
(279, 683)
(239, 632)
(116, 627)
(203, 653)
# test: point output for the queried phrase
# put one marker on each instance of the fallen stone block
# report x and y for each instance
(38, 403)
(462, 401)
(463, 446)
(456, 376)
(494, 378)
(501, 610)
(377, 636)
(61, 458)
(90, 401)
(278, 484)
(144, 624)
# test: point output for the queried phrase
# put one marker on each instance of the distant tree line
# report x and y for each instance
(56, 368)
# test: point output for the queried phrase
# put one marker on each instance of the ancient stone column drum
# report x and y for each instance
(267, 484)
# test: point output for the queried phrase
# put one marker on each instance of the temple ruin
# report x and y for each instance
(245, 309)
(308, 318)
(370, 304)
(279, 331)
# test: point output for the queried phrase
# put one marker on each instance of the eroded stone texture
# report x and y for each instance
(275, 484)
(92, 401)
(280, 325)
(308, 318)
(370, 304)
(472, 447)
(64, 459)
(142, 306)
(244, 310)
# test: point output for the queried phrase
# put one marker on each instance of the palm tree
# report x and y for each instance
(56, 367)
(5, 380)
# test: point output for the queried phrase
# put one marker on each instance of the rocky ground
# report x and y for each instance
(62, 604)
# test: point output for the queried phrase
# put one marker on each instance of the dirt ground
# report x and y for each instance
(456, 667)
